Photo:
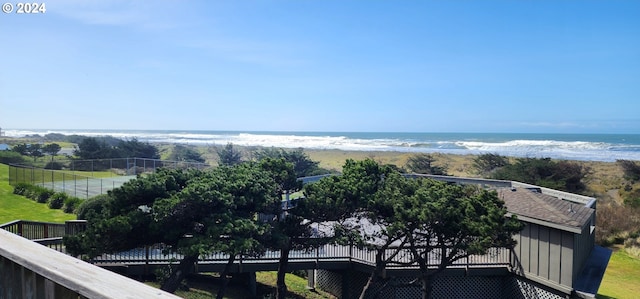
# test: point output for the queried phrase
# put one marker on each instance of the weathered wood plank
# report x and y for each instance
(70, 276)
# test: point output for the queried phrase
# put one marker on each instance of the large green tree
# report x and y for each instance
(286, 228)
(444, 223)
(294, 227)
(392, 214)
(192, 212)
(356, 212)
(218, 209)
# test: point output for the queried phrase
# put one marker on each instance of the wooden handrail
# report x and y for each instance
(64, 276)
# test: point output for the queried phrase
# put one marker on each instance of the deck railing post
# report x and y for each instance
(146, 260)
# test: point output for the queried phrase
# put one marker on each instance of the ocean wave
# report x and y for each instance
(594, 149)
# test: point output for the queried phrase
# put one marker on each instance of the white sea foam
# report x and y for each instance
(573, 150)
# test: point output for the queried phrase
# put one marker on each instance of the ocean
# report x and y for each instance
(586, 147)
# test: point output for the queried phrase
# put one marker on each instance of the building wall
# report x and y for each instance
(546, 254)
(584, 245)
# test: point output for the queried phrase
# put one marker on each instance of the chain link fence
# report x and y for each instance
(88, 178)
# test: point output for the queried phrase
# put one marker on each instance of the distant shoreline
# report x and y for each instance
(581, 147)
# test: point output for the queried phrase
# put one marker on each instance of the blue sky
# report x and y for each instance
(381, 66)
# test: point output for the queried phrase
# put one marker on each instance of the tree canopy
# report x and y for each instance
(51, 149)
(423, 216)
(302, 165)
(192, 212)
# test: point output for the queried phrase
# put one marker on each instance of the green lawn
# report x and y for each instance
(622, 278)
(14, 207)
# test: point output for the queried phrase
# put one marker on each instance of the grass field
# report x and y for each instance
(14, 207)
(622, 278)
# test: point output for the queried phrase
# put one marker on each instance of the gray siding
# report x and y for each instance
(547, 254)
(583, 246)
(543, 241)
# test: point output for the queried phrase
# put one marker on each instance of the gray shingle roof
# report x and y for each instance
(532, 204)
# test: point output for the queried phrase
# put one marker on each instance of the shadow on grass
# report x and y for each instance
(202, 286)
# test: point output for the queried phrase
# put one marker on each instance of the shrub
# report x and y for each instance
(92, 205)
(486, 163)
(37, 193)
(57, 200)
(21, 188)
(631, 170)
(43, 194)
(616, 223)
(631, 197)
(424, 163)
(632, 247)
(71, 203)
(560, 175)
(54, 165)
(11, 157)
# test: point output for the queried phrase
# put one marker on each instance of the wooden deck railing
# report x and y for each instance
(29, 270)
(34, 230)
(323, 256)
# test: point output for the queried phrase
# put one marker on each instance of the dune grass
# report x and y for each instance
(14, 207)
